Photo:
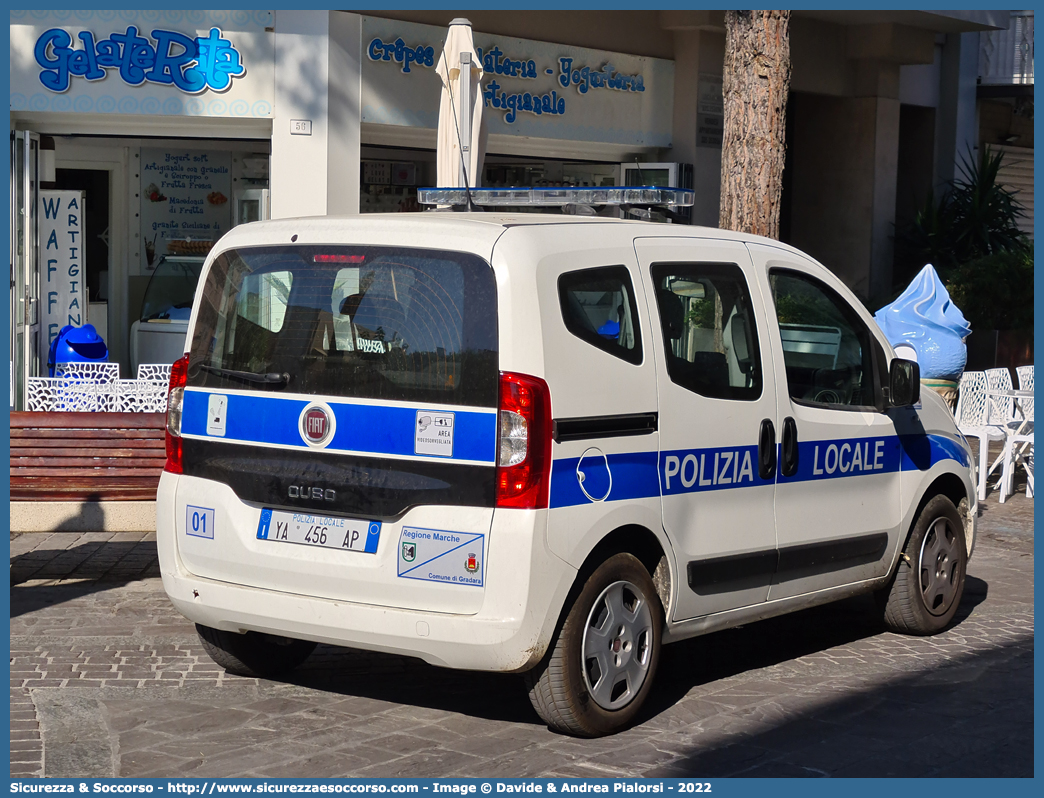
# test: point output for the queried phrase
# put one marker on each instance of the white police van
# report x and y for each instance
(544, 444)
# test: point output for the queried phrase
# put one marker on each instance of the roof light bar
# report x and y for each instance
(559, 195)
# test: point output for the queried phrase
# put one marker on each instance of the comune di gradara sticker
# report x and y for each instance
(437, 555)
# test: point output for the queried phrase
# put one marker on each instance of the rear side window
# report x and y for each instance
(598, 306)
(361, 322)
(709, 334)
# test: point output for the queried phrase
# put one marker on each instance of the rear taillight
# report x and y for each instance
(524, 453)
(175, 400)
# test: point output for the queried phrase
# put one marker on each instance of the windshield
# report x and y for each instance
(170, 291)
(363, 322)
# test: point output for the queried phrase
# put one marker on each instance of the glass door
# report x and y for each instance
(25, 263)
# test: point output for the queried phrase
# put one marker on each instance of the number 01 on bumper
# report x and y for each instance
(330, 532)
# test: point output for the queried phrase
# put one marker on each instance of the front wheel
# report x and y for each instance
(601, 666)
(928, 585)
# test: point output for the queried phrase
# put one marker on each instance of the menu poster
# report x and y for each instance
(185, 202)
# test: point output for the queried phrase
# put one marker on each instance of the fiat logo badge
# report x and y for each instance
(316, 425)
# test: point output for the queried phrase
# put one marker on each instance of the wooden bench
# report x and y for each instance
(86, 457)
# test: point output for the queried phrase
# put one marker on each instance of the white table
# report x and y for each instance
(1017, 397)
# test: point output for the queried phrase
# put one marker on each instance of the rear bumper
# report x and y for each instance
(526, 586)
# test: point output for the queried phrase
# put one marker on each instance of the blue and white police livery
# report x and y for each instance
(542, 444)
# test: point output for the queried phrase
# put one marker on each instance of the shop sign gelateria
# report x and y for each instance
(145, 62)
(168, 57)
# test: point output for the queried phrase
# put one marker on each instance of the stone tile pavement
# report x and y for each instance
(108, 680)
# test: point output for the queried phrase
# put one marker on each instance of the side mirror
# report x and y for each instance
(904, 382)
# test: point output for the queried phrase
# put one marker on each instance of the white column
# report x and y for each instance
(345, 133)
(957, 119)
(317, 80)
(885, 179)
(698, 55)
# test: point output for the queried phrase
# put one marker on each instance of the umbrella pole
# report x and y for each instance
(464, 116)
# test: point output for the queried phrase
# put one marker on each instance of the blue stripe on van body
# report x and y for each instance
(701, 470)
(634, 475)
(844, 457)
(371, 429)
(886, 454)
(921, 452)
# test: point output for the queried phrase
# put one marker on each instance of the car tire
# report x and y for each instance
(603, 661)
(929, 582)
(254, 653)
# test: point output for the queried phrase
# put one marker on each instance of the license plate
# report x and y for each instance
(324, 531)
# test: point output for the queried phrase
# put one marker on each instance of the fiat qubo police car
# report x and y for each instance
(543, 444)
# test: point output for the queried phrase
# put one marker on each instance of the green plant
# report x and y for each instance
(996, 292)
(928, 238)
(986, 213)
(799, 303)
(701, 313)
(975, 217)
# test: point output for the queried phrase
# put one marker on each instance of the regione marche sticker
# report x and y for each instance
(435, 555)
(434, 433)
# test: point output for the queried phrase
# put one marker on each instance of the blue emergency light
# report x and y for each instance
(556, 196)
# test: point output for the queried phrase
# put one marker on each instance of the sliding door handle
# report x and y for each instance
(767, 450)
(789, 456)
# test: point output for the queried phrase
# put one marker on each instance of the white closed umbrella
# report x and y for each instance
(461, 123)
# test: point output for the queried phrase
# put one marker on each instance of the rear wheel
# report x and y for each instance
(601, 666)
(928, 585)
(254, 653)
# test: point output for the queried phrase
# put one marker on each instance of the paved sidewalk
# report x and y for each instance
(108, 680)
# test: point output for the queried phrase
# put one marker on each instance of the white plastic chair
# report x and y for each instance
(1025, 375)
(65, 395)
(1003, 412)
(1019, 446)
(154, 371)
(1013, 456)
(88, 372)
(75, 388)
(1002, 409)
(147, 393)
(141, 396)
(971, 415)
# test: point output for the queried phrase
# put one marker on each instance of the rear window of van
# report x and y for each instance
(362, 322)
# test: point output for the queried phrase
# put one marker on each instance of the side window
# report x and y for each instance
(709, 333)
(826, 347)
(598, 306)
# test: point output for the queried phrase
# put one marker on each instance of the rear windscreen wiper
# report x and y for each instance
(249, 376)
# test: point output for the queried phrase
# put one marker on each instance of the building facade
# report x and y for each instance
(176, 126)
